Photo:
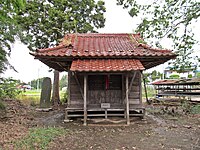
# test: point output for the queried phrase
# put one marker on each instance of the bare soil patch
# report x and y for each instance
(154, 132)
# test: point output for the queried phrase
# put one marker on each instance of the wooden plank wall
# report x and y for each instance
(102, 96)
(134, 95)
(75, 94)
(98, 94)
(110, 96)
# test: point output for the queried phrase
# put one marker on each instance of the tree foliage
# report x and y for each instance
(8, 28)
(63, 81)
(168, 19)
(174, 76)
(8, 88)
(198, 74)
(36, 83)
(152, 76)
(45, 22)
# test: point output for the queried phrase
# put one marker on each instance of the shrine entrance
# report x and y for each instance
(105, 89)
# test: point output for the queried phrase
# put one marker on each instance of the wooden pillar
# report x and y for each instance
(68, 98)
(123, 95)
(140, 86)
(68, 87)
(145, 88)
(85, 100)
(55, 93)
(127, 102)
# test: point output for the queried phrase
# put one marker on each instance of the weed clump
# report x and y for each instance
(39, 138)
(2, 106)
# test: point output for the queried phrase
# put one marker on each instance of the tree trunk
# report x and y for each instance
(55, 94)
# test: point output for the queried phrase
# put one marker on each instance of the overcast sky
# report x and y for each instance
(117, 21)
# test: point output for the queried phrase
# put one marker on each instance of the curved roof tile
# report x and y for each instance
(97, 44)
(106, 65)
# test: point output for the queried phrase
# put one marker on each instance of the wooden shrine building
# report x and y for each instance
(104, 72)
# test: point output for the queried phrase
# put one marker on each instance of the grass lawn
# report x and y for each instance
(32, 92)
(32, 97)
(39, 138)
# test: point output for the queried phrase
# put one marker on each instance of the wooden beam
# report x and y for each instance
(131, 83)
(127, 102)
(140, 86)
(79, 85)
(61, 66)
(85, 100)
(145, 88)
(123, 95)
(69, 88)
(129, 89)
(101, 73)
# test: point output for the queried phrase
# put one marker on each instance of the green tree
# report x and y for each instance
(189, 75)
(152, 76)
(174, 76)
(63, 81)
(146, 76)
(168, 19)
(8, 88)
(37, 83)
(45, 22)
(198, 74)
(8, 29)
(156, 75)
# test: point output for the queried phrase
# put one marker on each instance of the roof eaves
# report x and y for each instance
(153, 49)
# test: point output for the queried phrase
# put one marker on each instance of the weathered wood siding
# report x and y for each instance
(135, 91)
(75, 94)
(102, 96)
(98, 94)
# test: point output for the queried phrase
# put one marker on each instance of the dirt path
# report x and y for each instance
(154, 132)
(148, 134)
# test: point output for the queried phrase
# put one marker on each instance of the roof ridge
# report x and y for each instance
(153, 49)
(103, 34)
(51, 48)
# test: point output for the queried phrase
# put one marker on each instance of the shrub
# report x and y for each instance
(8, 88)
(198, 74)
(64, 97)
(2, 106)
(195, 109)
(174, 76)
(189, 75)
(33, 103)
(186, 106)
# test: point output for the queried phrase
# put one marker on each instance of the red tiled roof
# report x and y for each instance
(105, 65)
(102, 45)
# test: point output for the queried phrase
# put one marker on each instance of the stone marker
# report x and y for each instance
(45, 104)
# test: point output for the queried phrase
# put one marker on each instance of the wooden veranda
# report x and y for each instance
(122, 99)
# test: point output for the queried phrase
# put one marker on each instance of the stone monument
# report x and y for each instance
(45, 104)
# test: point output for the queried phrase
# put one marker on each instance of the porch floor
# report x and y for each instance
(74, 111)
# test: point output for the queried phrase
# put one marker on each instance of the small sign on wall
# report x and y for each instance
(105, 105)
